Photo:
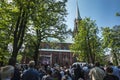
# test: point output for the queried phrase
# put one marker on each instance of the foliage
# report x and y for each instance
(111, 39)
(87, 44)
(6, 30)
(30, 22)
(117, 14)
(47, 23)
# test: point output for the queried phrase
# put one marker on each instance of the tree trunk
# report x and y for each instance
(90, 51)
(87, 57)
(18, 36)
(12, 60)
(36, 54)
(37, 46)
(91, 56)
(115, 58)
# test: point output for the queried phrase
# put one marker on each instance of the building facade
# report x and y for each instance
(59, 53)
(56, 53)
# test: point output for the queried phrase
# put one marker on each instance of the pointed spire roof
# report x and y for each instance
(77, 12)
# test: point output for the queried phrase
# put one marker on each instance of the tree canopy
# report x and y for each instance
(40, 19)
(111, 40)
(87, 43)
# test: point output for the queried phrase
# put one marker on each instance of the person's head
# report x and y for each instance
(109, 70)
(26, 66)
(97, 64)
(18, 66)
(7, 72)
(31, 64)
(67, 72)
(118, 66)
(110, 63)
(49, 72)
(65, 77)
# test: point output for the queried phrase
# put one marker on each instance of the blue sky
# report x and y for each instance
(103, 11)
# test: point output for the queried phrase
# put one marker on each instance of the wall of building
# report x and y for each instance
(58, 53)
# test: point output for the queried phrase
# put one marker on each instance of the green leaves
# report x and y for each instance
(39, 19)
(87, 43)
(117, 14)
(111, 39)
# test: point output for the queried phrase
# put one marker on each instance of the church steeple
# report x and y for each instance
(77, 20)
(77, 12)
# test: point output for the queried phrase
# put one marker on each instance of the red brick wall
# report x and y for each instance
(61, 58)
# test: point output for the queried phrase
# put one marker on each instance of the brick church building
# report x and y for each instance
(56, 53)
(52, 53)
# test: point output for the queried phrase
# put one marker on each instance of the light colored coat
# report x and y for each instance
(96, 73)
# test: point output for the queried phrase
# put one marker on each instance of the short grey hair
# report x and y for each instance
(32, 64)
(7, 72)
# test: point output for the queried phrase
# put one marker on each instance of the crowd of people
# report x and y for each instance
(46, 72)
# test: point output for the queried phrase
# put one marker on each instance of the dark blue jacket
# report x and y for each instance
(16, 74)
(31, 74)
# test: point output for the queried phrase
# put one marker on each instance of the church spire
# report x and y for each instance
(78, 17)
(77, 20)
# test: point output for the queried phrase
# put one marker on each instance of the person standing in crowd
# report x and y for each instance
(17, 72)
(86, 69)
(116, 71)
(7, 72)
(96, 73)
(56, 74)
(78, 72)
(48, 76)
(67, 75)
(31, 73)
(109, 74)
